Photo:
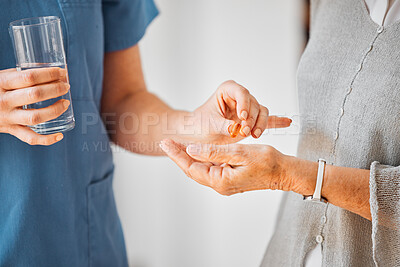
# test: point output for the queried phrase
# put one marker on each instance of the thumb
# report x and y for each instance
(231, 154)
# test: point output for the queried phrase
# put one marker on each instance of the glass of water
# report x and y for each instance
(38, 43)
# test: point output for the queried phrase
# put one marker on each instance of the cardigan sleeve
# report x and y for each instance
(385, 212)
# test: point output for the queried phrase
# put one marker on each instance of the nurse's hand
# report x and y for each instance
(27, 87)
(230, 104)
(231, 169)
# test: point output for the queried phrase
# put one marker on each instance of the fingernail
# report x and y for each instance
(59, 137)
(257, 133)
(66, 103)
(63, 72)
(68, 86)
(163, 145)
(193, 150)
(244, 115)
(246, 131)
(290, 120)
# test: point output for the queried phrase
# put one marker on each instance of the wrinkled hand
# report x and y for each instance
(231, 169)
(230, 104)
(28, 87)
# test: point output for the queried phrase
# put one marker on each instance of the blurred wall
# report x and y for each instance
(169, 220)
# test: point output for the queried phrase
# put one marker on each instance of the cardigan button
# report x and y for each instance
(336, 136)
(380, 29)
(319, 239)
(350, 89)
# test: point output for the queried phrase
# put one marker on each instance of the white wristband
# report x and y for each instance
(316, 197)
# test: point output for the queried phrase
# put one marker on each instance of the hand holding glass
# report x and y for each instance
(38, 44)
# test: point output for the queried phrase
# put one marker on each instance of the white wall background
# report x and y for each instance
(194, 45)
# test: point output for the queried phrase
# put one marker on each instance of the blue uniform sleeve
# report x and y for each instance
(125, 22)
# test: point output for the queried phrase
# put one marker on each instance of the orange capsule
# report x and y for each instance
(234, 129)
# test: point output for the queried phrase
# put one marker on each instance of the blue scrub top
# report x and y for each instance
(56, 203)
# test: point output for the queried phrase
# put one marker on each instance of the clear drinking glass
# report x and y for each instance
(38, 43)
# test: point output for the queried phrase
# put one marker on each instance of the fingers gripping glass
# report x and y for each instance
(38, 43)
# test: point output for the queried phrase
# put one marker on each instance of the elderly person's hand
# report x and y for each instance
(230, 104)
(231, 169)
(237, 168)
